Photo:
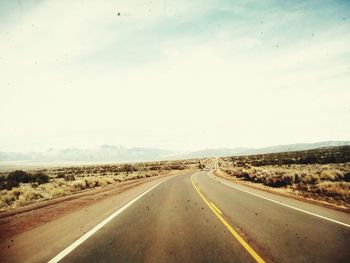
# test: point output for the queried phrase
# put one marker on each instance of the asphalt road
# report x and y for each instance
(200, 218)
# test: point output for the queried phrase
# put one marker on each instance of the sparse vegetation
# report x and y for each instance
(322, 174)
(340, 154)
(20, 188)
(15, 178)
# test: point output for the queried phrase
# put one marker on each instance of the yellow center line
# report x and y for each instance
(214, 209)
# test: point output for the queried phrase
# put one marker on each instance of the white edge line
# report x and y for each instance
(75, 244)
(283, 204)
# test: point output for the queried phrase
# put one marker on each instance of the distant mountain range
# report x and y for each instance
(104, 153)
(111, 153)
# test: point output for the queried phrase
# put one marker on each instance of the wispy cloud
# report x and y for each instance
(174, 74)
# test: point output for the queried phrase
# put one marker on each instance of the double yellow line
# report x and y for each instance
(218, 214)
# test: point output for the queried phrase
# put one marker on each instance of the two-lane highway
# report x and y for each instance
(199, 218)
(169, 224)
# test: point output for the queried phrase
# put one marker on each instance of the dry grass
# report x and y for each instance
(27, 193)
(64, 181)
(324, 182)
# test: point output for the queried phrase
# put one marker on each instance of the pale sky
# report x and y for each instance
(181, 75)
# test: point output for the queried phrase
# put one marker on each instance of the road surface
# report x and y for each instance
(200, 218)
